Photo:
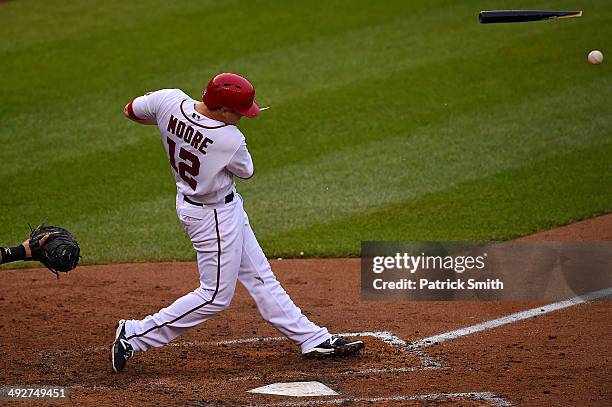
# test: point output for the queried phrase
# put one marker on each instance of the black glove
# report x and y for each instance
(60, 253)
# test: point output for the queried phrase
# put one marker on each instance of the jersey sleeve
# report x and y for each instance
(241, 163)
(147, 106)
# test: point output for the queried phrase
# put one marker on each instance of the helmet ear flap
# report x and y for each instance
(211, 99)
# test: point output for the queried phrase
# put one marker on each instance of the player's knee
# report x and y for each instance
(220, 297)
(223, 299)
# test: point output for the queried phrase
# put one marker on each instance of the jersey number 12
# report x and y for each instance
(190, 164)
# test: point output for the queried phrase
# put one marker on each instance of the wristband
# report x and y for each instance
(10, 254)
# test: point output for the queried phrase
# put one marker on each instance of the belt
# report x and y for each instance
(228, 198)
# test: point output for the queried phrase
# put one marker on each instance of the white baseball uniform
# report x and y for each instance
(205, 155)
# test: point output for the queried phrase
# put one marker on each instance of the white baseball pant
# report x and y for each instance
(227, 250)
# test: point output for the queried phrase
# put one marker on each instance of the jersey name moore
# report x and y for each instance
(188, 134)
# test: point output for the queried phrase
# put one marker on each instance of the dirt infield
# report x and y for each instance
(59, 333)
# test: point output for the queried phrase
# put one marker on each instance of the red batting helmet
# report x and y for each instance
(231, 91)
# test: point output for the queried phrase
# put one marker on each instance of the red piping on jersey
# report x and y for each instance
(196, 123)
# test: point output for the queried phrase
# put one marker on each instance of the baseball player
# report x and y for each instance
(206, 151)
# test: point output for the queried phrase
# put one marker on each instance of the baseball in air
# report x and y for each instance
(595, 57)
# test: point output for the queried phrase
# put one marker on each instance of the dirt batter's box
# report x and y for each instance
(371, 360)
(378, 359)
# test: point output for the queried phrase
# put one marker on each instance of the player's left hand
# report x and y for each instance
(28, 250)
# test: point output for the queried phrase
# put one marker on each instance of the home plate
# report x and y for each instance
(296, 389)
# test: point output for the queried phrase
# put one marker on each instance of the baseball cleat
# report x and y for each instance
(121, 351)
(335, 346)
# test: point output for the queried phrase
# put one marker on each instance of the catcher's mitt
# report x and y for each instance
(60, 253)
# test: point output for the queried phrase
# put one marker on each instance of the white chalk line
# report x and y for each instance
(518, 316)
(489, 397)
(427, 362)
(387, 337)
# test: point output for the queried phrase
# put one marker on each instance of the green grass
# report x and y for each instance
(564, 187)
(403, 121)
